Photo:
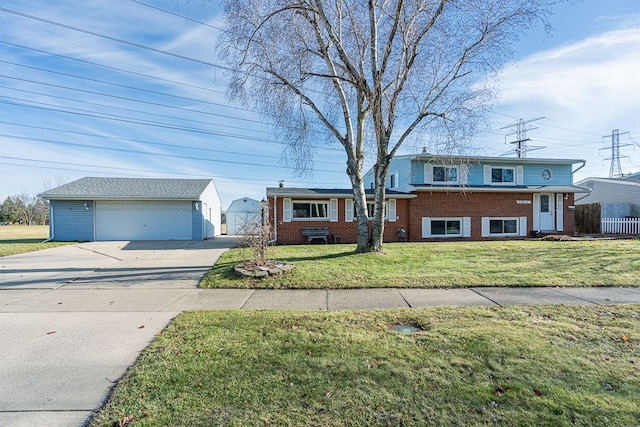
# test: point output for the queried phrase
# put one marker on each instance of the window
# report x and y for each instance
(443, 174)
(393, 180)
(445, 227)
(503, 226)
(310, 210)
(369, 210)
(499, 175)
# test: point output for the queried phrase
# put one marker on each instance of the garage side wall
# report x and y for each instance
(212, 215)
(71, 220)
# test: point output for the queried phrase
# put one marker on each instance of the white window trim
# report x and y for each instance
(428, 174)
(521, 226)
(518, 175)
(465, 227)
(327, 218)
(396, 176)
(389, 210)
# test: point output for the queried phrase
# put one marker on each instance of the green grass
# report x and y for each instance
(17, 239)
(515, 366)
(444, 264)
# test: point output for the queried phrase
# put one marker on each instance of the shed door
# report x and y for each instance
(143, 220)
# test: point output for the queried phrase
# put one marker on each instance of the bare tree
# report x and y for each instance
(355, 71)
(26, 206)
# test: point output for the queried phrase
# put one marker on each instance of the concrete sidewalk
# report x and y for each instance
(171, 300)
(74, 318)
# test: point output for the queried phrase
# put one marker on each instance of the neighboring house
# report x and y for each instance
(632, 177)
(94, 209)
(435, 197)
(242, 214)
(618, 198)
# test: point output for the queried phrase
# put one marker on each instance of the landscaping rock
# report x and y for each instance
(251, 269)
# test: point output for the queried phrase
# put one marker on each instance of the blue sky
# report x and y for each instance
(103, 88)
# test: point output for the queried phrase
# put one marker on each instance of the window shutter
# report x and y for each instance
(286, 210)
(485, 226)
(426, 227)
(487, 175)
(466, 226)
(536, 211)
(523, 226)
(333, 210)
(519, 175)
(348, 210)
(391, 210)
(559, 212)
(428, 173)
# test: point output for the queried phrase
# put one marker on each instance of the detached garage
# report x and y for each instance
(94, 209)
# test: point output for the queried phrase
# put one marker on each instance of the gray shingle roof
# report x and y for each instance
(327, 192)
(129, 188)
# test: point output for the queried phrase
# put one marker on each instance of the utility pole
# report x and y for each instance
(615, 170)
(519, 130)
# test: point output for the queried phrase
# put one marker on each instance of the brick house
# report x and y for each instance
(437, 197)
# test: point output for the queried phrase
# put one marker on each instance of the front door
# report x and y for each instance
(546, 212)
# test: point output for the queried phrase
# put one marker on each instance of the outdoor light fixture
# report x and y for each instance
(86, 206)
(195, 205)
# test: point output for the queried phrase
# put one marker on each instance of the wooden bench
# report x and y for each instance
(316, 233)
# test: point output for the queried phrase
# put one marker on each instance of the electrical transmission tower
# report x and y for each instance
(519, 130)
(615, 171)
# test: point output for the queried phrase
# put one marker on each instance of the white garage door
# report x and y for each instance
(143, 220)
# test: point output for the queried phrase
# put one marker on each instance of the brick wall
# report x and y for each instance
(290, 233)
(409, 213)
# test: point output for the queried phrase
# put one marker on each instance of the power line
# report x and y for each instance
(160, 144)
(127, 150)
(154, 172)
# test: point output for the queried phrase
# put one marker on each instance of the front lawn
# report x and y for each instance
(516, 366)
(444, 265)
(17, 239)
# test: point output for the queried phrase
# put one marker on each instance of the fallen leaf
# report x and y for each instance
(625, 338)
(126, 421)
(538, 392)
(329, 394)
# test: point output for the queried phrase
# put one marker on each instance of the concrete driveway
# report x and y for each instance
(74, 318)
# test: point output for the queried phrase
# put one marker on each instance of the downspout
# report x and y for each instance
(275, 220)
(51, 227)
(584, 162)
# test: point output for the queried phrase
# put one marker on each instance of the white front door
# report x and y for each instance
(546, 212)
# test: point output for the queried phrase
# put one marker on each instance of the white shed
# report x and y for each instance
(240, 213)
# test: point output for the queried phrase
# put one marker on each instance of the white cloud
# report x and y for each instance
(585, 90)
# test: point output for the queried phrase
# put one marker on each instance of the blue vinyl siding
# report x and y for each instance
(560, 175)
(71, 221)
(412, 172)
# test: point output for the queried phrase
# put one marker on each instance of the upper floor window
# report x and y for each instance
(502, 175)
(393, 180)
(445, 174)
(307, 210)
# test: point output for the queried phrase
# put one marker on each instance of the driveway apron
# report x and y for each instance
(74, 318)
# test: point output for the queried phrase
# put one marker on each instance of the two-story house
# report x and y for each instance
(440, 197)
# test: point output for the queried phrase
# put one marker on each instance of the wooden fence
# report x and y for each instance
(588, 218)
(620, 225)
